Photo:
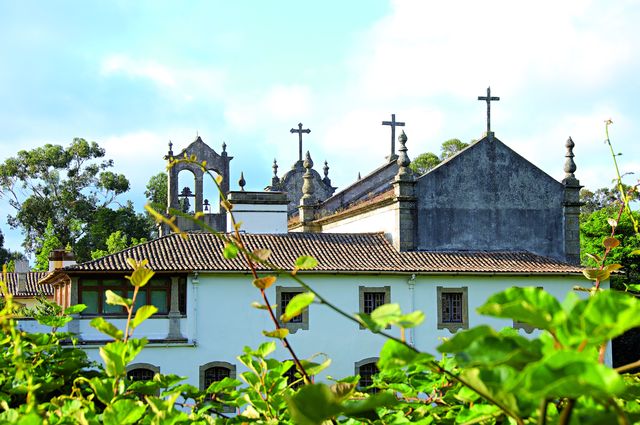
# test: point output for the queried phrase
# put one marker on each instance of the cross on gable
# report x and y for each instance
(488, 98)
(300, 131)
(393, 123)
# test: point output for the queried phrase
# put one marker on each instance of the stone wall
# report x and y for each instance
(490, 198)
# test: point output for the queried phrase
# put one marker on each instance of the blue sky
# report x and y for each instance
(133, 75)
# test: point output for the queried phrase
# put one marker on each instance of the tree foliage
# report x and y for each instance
(63, 184)
(116, 242)
(4, 253)
(48, 243)
(156, 192)
(429, 160)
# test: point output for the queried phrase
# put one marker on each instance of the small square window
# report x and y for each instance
(283, 296)
(367, 368)
(372, 298)
(453, 312)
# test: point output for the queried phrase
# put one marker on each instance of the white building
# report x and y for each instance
(483, 221)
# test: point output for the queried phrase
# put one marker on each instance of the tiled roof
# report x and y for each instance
(335, 252)
(32, 286)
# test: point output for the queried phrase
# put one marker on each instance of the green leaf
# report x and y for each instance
(107, 328)
(396, 355)
(142, 314)
(411, 320)
(140, 276)
(635, 252)
(113, 355)
(75, 309)
(313, 404)
(367, 408)
(115, 299)
(483, 346)
(529, 305)
(280, 333)
(264, 282)
(571, 374)
(365, 320)
(230, 251)
(314, 368)
(103, 388)
(123, 412)
(386, 314)
(305, 262)
(298, 303)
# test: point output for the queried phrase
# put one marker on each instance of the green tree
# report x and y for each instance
(429, 160)
(156, 192)
(5, 254)
(64, 185)
(105, 221)
(595, 227)
(48, 243)
(451, 147)
(116, 242)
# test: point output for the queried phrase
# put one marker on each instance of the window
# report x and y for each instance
(293, 377)
(91, 291)
(367, 369)
(453, 312)
(373, 297)
(214, 372)
(142, 371)
(283, 296)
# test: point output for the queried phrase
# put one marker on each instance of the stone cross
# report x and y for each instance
(393, 123)
(300, 131)
(488, 98)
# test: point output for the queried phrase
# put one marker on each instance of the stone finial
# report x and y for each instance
(224, 147)
(242, 181)
(569, 164)
(275, 181)
(170, 153)
(404, 173)
(307, 186)
(326, 178)
(359, 176)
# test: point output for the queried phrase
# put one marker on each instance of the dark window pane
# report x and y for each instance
(88, 282)
(366, 372)
(285, 298)
(140, 374)
(182, 296)
(451, 307)
(293, 377)
(215, 374)
(90, 298)
(373, 300)
(159, 299)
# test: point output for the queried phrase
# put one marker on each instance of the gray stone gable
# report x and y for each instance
(488, 197)
(291, 183)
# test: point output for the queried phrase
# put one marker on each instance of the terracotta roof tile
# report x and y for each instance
(32, 287)
(335, 252)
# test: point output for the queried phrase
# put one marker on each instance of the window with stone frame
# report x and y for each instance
(367, 368)
(372, 297)
(453, 311)
(92, 293)
(142, 371)
(214, 372)
(283, 296)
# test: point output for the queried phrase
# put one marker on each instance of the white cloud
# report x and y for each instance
(183, 83)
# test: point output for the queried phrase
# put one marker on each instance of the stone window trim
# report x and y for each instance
(293, 327)
(453, 326)
(363, 289)
(146, 366)
(364, 362)
(230, 366)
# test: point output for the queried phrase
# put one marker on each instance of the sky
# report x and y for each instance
(132, 75)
